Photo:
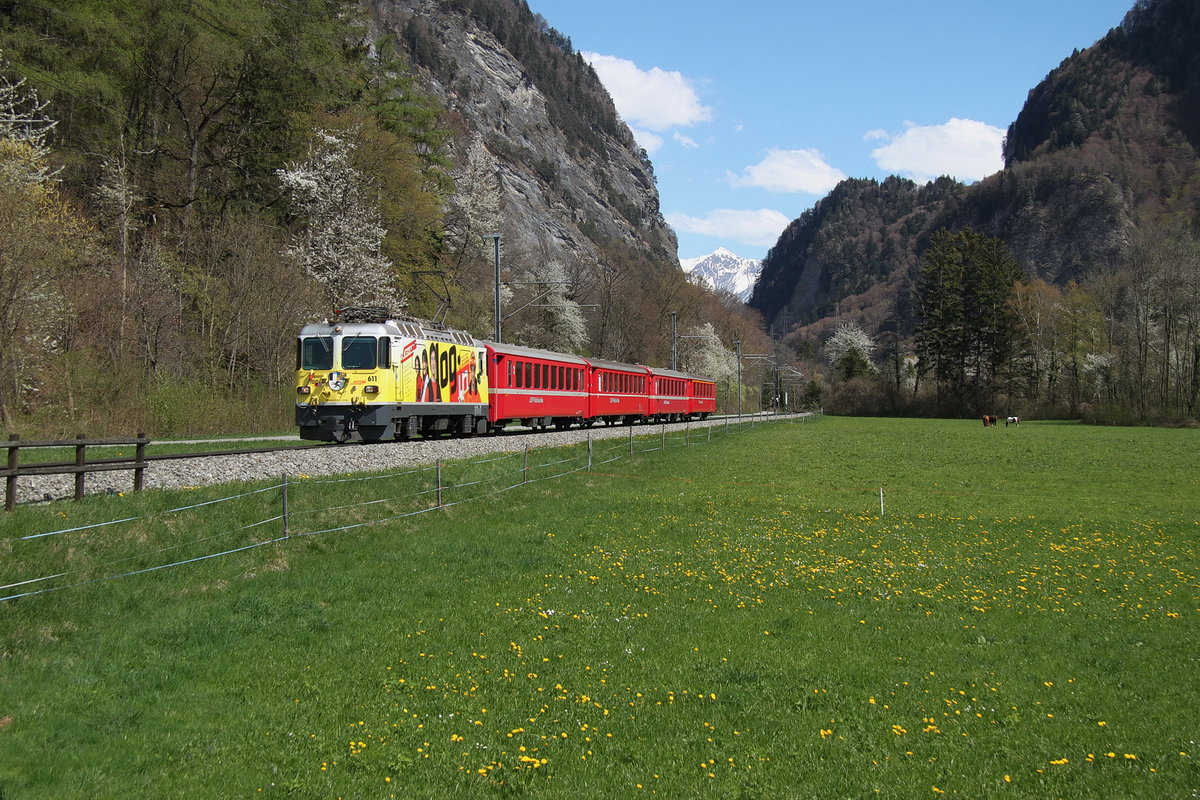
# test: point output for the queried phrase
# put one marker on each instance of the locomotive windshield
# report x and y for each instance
(358, 352)
(316, 352)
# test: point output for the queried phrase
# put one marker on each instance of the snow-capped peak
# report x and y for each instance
(725, 271)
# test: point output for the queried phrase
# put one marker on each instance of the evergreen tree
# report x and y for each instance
(967, 329)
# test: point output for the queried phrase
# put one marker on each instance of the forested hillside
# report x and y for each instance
(189, 181)
(1098, 204)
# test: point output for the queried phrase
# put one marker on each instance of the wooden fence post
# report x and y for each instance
(80, 461)
(10, 483)
(139, 454)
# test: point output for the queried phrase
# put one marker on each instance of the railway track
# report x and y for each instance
(192, 469)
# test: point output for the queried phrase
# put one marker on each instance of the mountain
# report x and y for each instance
(1106, 145)
(536, 127)
(724, 271)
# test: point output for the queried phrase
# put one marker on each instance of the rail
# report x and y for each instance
(138, 463)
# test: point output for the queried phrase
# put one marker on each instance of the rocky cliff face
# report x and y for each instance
(542, 156)
(1105, 144)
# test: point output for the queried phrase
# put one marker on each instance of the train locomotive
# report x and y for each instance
(369, 376)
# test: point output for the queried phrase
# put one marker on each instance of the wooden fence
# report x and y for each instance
(79, 467)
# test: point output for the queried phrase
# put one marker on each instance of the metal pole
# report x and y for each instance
(496, 244)
(439, 483)
(674, 341)
(285, 505)
(739, 377)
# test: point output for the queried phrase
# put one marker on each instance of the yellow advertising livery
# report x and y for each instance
(369, 377)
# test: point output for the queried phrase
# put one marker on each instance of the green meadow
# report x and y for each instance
(733, 616)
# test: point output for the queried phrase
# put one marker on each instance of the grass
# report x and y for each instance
(731, 619)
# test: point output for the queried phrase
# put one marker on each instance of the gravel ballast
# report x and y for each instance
(352, 458)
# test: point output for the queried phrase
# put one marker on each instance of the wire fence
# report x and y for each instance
(299, 507)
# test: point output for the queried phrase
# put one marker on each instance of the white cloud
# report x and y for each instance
(962, 148)
(650, 142)
(653, 99)
(790, 171)
(686, 141)
(760, 228)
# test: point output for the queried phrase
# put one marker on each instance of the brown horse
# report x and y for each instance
(989, 421)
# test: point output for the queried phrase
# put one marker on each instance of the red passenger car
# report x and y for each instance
(702, 397)
(617, 392)
(537, 388)
(669, 395)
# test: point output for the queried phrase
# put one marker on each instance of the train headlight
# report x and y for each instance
(303, 390)
(370, 390)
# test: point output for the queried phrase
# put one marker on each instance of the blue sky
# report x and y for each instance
(752, 111)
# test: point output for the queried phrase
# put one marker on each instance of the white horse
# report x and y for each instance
(1012, 421)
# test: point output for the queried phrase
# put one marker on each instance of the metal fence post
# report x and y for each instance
(525, 466)
(589, 466)
(286, 532)
(439, 483)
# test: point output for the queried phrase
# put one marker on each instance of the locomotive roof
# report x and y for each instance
(391, 327)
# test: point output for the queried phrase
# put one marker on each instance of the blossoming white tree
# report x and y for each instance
(849, 351)
(23, 120)
(341, 243)
(560, 326)
(706, 355)
(41, 241)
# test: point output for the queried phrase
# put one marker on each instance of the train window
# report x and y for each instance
(316, 352)
(545, 376)
(528, 375)
(385, 347)
(358, 352)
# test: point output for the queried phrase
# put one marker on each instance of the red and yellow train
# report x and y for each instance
(367, 376)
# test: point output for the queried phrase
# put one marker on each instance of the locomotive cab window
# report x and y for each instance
(358, 352)
(315, 352)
